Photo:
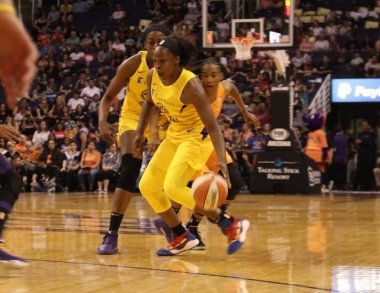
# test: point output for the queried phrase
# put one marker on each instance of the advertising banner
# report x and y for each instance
(355, 90)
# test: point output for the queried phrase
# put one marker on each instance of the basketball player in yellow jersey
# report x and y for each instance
(190, 139)
(131, 72)
(211, 74)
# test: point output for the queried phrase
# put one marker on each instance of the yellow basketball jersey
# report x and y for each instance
(217, 104)
(184, 119)
(136, 90)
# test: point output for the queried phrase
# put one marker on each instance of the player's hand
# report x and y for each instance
(252, 119)
(18, 56)
(9, 133)
(107, 131)
(223, 169)
(138, 145)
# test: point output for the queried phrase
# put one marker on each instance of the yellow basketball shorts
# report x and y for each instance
(173, 165)
(130, 121)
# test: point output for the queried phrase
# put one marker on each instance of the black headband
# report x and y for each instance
(171, 44)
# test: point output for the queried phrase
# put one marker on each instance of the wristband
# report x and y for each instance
(7, 8)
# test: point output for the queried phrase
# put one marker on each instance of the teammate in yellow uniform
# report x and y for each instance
(211, 74)
(132, 72)
(190, 140)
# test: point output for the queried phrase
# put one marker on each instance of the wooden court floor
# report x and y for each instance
(295, 244)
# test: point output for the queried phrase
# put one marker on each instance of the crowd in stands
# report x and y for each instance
(82, 42)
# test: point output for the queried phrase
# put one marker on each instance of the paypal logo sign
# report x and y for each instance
(355, 90)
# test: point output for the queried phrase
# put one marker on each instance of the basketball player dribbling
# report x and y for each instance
(192, 135)
(211, 74)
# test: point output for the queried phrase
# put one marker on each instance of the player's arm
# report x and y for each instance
(17, 56)
(232, 90)
(194, 93)
(154, 131)
(145, 115)
(123, 74)
(9, 133)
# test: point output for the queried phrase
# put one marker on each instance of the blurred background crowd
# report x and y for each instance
(82, 43)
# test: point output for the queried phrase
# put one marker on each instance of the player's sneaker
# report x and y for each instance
(180, 244)
(109, 243)
(10, 259)
(195, 232)
(236, 234)
(164, 228)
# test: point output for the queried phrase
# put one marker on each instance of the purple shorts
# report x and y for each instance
(4, 165)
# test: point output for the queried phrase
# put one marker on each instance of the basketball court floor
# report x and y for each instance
(295, 244)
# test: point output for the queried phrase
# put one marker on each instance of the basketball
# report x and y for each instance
(209, 191)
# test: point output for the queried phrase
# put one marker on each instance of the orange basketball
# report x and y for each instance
(210, 191)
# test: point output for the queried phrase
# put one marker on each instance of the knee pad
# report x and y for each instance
(11, 186)
(237, 181)
(130, 171)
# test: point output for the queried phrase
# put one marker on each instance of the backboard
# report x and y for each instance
(269, 21)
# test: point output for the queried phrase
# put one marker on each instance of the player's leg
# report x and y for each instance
(153, 188)
(126, 184)
(10, 188)
(181, 170)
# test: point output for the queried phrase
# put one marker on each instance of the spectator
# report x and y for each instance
(81, 6)
(54, 15)
(321, 44)
(89, 166)
(118, 47)
(59, 133)
(366, 154)
(41, 135)
(65, 145)
(28, 124)
(297, 60)
(372, 64)
(357, 60)
(316, 28)
(70, 167)
(11, 150)
(43, 180)
(75, 101)
(339, 159)
(90, 90)
(21, 145)
(110, 166)
(118, 15)
(326, 66)
(70, 126)
(73, 41)
(29, 163)
(42, 110)
(306, 45)
(53, 158)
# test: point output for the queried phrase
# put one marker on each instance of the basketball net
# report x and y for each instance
(243, 46)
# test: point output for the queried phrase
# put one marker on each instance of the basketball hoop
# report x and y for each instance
(243, 46)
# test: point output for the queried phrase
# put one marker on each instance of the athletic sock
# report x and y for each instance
(115, 221)
(178, 230)
(225, 220)
(194, 222)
